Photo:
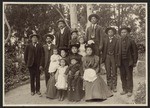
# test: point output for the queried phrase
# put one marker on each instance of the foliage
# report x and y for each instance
(140, 97)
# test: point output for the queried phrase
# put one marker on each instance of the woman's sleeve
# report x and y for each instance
(96, 64)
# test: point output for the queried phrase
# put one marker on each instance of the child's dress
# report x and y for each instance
(54, 64)
(61, 82)
(82, 50)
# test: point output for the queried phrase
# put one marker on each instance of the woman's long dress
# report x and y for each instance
(51, 88)
(77, 94)
(98, 88)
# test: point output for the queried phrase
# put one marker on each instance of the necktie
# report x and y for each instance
(93, 32)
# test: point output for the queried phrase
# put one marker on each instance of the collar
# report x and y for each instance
(94, 25)
(49, 44)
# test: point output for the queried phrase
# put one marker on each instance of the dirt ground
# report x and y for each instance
(20, 96)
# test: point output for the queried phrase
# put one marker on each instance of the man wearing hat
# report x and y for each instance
(63, 34)
(108, 57)
(48, 51)
(127, 56)
(33, 56)
(95, 33)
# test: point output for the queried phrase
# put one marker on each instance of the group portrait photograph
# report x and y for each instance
(75, 53)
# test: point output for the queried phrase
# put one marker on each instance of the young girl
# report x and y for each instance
(64, 53)
(61, 82)
(82, 46)
(95, 87)
(54, 64)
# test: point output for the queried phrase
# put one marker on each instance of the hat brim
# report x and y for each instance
(124, 28)
(49, 35)
(93, 15)
(110, 28)
(76, 31)
(61, 21)
(74, 45)
(34, 35)
(64, 48)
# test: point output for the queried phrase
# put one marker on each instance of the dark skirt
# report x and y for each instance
(78, 93)
(51, 88)
(97, 89)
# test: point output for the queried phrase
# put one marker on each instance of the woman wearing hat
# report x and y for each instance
(127, 56)
(33, 51)
(94, 85)
(48, 51)
(77, 93)
(63, 34)
(108, 57)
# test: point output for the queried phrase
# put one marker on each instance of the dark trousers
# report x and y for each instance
(34, 78)
(72, 81)
(126, 73)
(111, 71)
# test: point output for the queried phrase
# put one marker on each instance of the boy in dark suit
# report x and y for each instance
(127, 56)
(48, 51)
(33, 56)
(108, 57)
(63, 34)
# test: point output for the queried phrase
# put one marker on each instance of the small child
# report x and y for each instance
(61, 81)
(54, 61)
(73, 72)
(74, 37)
(82, 43)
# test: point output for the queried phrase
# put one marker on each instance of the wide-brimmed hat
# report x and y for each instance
(93, 15)
(74, 30)
(61, 20)
(34, 35)
(111, 28)
(74, 45)
(49, 35)
(124, 28)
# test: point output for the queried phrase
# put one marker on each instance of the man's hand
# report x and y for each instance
(41, 68)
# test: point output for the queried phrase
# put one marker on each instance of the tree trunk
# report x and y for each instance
(73, 16)
(9, 29)
(89, 12)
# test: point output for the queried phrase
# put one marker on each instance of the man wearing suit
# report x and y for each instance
(63, 34)
(33, 56)
(95, 33)
(108, 57)
(127, 56)
(48, 51)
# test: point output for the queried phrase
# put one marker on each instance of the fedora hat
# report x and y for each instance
(34, 35)
(124, 28)
(74, 30)
(61, 20)
(49, 35)
(111, 28)
(93, 15)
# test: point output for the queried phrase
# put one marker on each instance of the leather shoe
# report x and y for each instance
(129, 94)
(32, 93)
(123, 93)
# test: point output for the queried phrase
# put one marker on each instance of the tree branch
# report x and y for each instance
(9, 29)
(61, 15)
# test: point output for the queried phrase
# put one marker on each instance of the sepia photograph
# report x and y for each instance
(75, 54)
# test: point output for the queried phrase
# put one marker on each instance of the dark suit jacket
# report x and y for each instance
(132, 52)
(66, 37)
(105, 47)
(99, 34)
(29, 55)
(46, 53)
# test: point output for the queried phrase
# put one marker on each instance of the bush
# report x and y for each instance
(140, 97)
(14, 76)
